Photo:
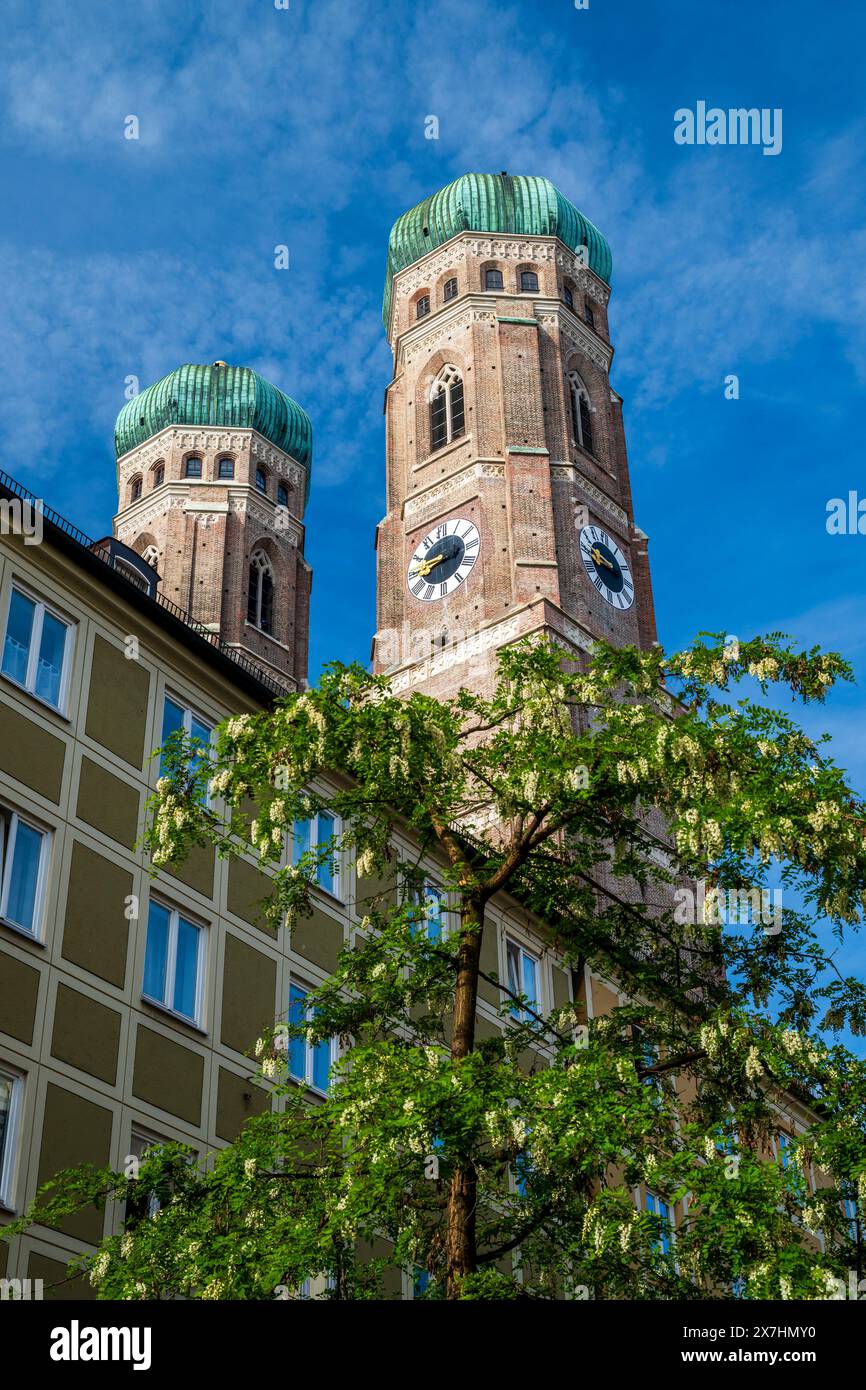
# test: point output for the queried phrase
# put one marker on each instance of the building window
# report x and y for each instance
(528, 282)
(420, 1281)
(309, 1063)
(522, 977)
(447, 412)
(10, 1101)
(226, 468)
(581, 417)
(22, 871)
(422, 308)
(314, 835)
(261, 480)
(450, 290)
(588, 315)
(657, 1207)
(493, 279)
(431, 899)
(192, 468)
(174, 962)
(282, 495)
(37, 648)
(568, 296)
(849, 1212)
(178, 718)
(142, 1204)
(132, 574)
(159, 475)
(260, 595)
(135, 489)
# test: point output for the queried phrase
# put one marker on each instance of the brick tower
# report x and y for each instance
(213, 476)
(509, 508)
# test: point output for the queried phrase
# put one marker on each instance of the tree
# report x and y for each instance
(598, 799)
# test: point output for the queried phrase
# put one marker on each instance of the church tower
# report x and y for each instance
(213, 474)
(509, 508)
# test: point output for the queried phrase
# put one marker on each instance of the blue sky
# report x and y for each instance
(305, 127)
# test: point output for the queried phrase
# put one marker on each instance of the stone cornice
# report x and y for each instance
(211, 441)
(483, 246)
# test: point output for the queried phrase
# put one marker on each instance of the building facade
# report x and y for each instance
(129, 1003)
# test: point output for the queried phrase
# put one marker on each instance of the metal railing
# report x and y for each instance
(79, 538)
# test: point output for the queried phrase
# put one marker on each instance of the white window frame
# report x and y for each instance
(337, 892)
(420, 896)
(9, 1156)
(670, 1217)
(7, 854)
(175, 914)
(43, 606)
(511, 938)
(189, 713)
(147, 1140)
(333, 1042)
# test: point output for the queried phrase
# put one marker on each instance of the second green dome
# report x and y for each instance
(235, 397)
(520, 204)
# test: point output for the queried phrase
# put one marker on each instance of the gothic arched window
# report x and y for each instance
(158, 474)
(581, 412)
(135, 489)
(260, 596)
(447, 413)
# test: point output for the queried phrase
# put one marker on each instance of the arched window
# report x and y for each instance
(493, 279)
(568, 296)
(282, 495)
(226, 468)
(159, 475)
(447, 413)
(450, 290)
(528, 282)
(260, 596)
(422, 307)
(151, 556)
(581, 412)
(588, 315)
(135, 489)
(261, 480)
(192, 468)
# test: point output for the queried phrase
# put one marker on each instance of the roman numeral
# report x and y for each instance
(598, 584)
(417, 588)
(471, 545)
(443, 589)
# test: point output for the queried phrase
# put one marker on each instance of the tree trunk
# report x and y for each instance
(460, 1240)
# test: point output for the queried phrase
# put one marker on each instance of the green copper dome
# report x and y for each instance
(522, 204)
(236, 397)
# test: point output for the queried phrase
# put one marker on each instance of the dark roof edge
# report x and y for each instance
(167, 615)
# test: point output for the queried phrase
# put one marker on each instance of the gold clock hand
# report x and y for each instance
(599, 558)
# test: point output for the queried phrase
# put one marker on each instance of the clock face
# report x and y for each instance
(443, 560)
(607, 567)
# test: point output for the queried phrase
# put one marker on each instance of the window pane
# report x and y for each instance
(186, 969)
(19, 630)
(434, 914)
(297, 1046)
(5, 1110)
(513, 959)
(172, 723)
(325, 875)
(24, 877)
(438, 420)
(321, 1064)
(49, 668)
(156, 955)
(530, 983)
(457, 413)
(300, 841)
